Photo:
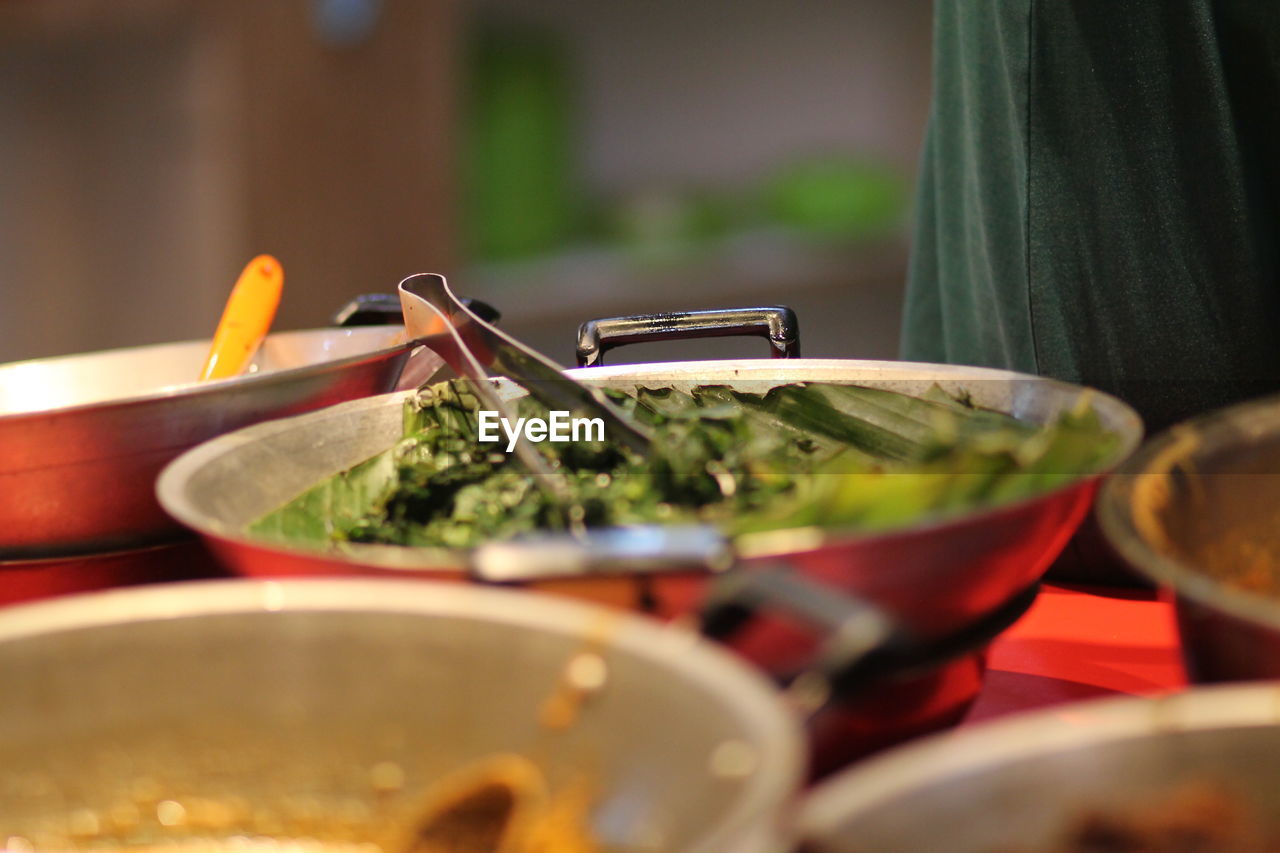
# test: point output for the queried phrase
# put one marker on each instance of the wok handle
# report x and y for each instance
(639, 551)
(860, 641)
(380, 309)
(775, 323)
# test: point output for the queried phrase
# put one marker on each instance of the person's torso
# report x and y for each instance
(1099, 197)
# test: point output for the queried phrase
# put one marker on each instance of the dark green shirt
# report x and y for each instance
(1099, 197)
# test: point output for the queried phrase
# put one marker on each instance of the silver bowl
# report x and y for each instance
(83, 437)
(1026, 783)
(288, 697)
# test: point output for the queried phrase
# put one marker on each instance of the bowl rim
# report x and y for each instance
(194, 388)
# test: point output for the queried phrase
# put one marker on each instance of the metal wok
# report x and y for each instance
(1028, 783)
(1197, 511)
(935, 577)
(326, 709)
(83, 437)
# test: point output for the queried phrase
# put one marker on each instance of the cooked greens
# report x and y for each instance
(793, 455)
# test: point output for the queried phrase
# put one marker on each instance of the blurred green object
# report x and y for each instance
(838, 198)
(518, 194)
(667, 225)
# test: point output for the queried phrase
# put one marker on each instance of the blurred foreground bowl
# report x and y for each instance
(328, 708)
(1197, 764)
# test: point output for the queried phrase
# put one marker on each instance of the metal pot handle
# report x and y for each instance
(776, 323)
(380, 309)
(858, 638)
(861, 644)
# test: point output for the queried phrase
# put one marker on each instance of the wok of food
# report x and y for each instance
(1204, 815)
(745, 459)
(1197, 510)
(383, 717)
(1171, 774)
(1199, 816)
(1206, 496)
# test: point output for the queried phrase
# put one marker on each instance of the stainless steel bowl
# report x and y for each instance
(1025, 783)
(283, 700)
(83, 437)
(1191, 489)
(936, 577)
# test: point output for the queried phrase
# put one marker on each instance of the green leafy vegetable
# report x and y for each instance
(794, 455)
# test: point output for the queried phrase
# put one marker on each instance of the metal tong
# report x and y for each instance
(472, 348)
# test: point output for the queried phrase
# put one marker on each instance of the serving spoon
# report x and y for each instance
(246, 319)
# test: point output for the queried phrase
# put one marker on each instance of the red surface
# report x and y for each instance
(1081, 644)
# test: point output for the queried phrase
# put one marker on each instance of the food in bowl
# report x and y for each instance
(1211, 506)
(344, 714)
(1248, 560)
(501, 804)
(1199, 816)
(793, 455)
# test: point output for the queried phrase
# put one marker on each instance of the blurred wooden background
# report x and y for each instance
(150, 147)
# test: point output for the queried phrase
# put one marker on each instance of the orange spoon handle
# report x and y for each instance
(246, 319)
